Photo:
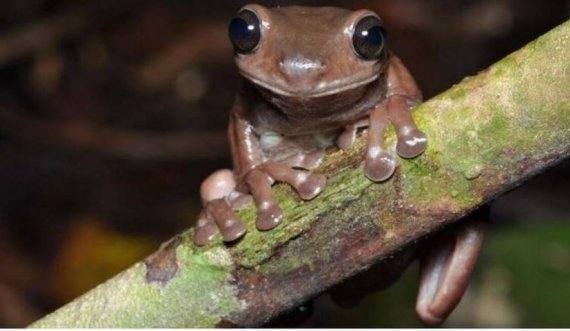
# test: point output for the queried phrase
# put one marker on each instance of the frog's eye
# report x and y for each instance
(368, 38)
(245, 31)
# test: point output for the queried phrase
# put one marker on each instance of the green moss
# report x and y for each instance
(341, 190)
(456, 92)
(136, 303)
(307, 253)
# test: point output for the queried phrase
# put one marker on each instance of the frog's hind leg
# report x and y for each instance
(445, 270)
(411, 141)
(218, 193)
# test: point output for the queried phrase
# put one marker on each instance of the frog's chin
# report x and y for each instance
(314, 92)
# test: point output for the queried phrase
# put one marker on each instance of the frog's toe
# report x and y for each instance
(269, 217)
(379, 166)
(232, 229)
(311, 186)
(411, 143)
(221, 212)
(307, 161)
(204, 231)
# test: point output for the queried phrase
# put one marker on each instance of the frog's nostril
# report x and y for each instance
(299, 65)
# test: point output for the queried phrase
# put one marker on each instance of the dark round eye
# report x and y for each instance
(368, 38)
(245, 31)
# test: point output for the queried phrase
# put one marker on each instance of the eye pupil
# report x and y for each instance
(237, 29)
(368, 38)
(374, 36)
(244, 32)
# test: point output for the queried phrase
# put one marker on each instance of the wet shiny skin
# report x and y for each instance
(302, 90)
(296, 100)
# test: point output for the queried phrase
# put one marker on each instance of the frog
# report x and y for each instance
(311, 78)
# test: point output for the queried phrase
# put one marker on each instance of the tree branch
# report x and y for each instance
(486, 135)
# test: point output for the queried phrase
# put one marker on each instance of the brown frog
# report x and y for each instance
(311, 77)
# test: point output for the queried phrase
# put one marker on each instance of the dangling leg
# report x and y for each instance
(445, 269)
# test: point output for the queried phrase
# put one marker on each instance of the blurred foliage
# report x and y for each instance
(535, 262)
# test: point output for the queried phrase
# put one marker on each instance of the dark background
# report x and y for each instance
(113, 111)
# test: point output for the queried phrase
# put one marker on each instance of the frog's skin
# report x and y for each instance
(307, 85)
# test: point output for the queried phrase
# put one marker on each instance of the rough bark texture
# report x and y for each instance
(486, 135)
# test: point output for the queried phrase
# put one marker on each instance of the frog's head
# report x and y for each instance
(308, 52)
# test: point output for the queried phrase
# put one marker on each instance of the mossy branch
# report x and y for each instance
(486, 135)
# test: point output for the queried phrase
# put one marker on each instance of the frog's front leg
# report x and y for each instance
(402, 94)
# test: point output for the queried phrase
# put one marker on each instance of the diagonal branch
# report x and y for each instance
(487, 134)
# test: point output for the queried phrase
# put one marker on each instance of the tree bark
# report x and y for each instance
(487, 135)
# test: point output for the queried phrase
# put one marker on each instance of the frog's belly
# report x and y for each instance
(277, 147)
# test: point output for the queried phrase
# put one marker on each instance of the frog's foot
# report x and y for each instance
(308, 161)
(307, 184)
(380, 163)
(445, 270)
(218, 215)
(411, 141)
(220, 199)
(204, 230)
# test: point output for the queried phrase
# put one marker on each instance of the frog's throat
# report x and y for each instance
(310, 94)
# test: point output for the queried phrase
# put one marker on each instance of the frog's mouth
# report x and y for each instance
(315, 92)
